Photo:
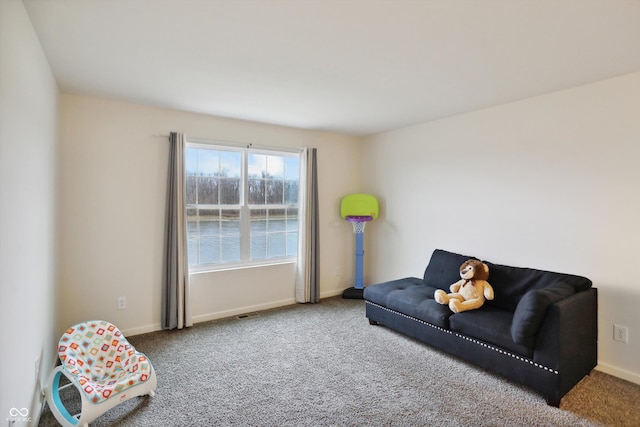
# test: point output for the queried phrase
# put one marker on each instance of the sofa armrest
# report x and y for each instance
(531, 311)
(567, 339)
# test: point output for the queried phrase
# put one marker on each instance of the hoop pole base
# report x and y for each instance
(352, 293)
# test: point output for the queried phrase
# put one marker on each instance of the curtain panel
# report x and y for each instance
(308, 265)
(176, 302)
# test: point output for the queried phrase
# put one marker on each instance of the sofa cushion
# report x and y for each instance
(444, 269)
(490, 325)
(431, 312)
(412, 297)
(379, 293)
(416, 302)
(531, 311)
(511, 283)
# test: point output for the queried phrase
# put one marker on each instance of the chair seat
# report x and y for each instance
(99, 361)
(99, 388)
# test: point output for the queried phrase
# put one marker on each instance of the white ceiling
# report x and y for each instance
(349, 66)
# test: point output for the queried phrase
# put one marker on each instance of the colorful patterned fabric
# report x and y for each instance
(102, 360)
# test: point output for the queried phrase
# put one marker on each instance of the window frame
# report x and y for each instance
(244, 208)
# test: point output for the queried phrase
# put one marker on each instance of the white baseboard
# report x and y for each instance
(330, 294)
(227, 313)
(242, 310)
(141, 330)
(617, 372)
(257, 307)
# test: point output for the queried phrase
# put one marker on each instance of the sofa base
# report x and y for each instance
(517, 368)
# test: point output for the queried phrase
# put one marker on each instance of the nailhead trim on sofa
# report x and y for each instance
(473, 340)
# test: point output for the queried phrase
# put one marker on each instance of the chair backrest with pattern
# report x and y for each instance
(94, 346)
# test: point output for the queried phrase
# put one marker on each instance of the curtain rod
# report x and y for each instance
(235, 144)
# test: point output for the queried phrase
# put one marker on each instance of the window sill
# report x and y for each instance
(231, 267)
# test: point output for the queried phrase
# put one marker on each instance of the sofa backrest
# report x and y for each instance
(509, 283)
(443, 269)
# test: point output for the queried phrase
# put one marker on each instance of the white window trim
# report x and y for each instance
(245, 219)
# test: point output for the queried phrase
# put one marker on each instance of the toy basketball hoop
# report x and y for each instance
(358, 222)
(358, 209)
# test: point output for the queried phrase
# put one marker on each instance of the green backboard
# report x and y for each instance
(359, 205)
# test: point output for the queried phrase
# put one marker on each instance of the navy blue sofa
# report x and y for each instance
(540, 330)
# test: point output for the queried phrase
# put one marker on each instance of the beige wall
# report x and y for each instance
(550, 182)
(113, 181)
(28, 200)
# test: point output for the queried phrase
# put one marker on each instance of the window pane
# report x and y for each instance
(258, 246)
(292, 244)
(208, 162)
(257, 167)
(190, 190)
(276, 220)
(230, 164)
(275, 192)
(258, 221)
(191, 161)
(230, 222)
(207, 191)
(230, 248)
(257, 214)
(292, 219)
(258, 243)
(192, 223)
(257, 192)
(276, 245)
(209, 214)
(229, 191)
(209, 250)
(290, 192)
(275, 167)
(292, 168)
(192, 251)
(209, 228)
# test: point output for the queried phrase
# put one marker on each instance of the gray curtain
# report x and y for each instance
(308, 265)
(176, 303)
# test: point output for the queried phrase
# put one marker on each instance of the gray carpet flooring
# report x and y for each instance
(324, 365)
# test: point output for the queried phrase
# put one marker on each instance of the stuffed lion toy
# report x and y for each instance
(470, 291)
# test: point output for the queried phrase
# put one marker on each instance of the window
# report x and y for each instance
(242, 205)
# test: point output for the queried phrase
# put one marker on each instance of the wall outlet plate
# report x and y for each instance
(621, 333)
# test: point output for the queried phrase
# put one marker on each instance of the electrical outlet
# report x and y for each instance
(621, 333)
(122, 303)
